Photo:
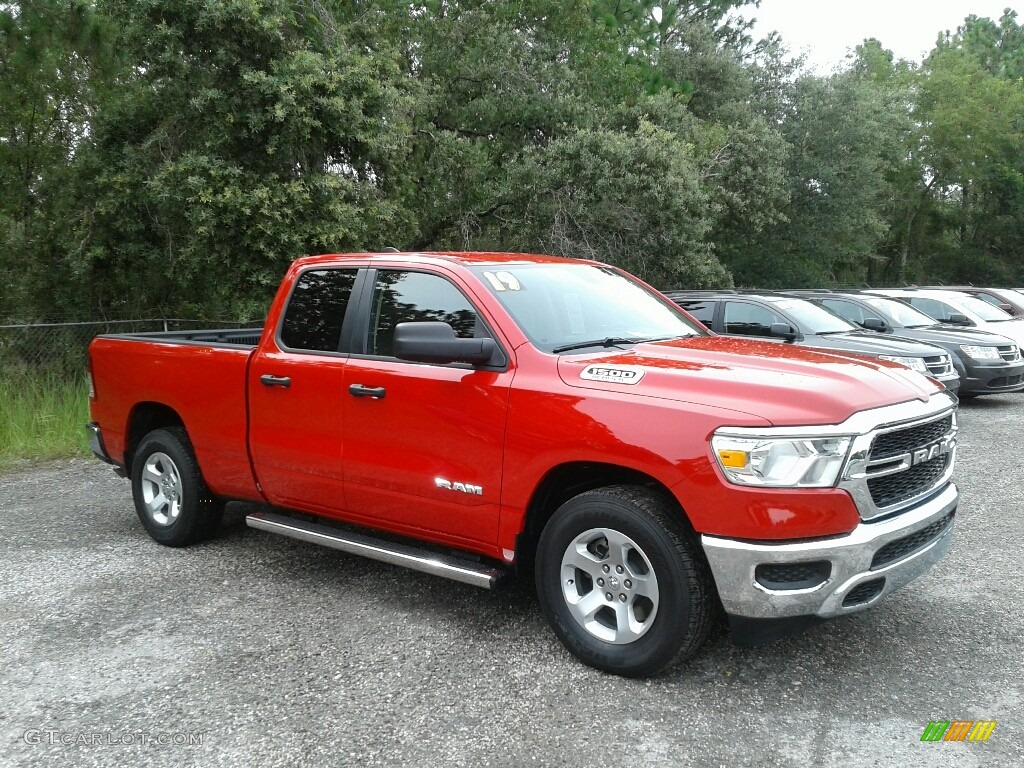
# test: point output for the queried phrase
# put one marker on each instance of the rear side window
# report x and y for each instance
(747, 319)
(407, 297)
(702, 310)
(316, 310)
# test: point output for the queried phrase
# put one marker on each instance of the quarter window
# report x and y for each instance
(406, 297)
(316, 310)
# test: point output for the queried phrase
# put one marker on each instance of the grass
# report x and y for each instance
(42, 416)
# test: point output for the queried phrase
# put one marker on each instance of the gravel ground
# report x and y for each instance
(272, 652)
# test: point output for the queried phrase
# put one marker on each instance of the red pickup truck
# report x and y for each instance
(475, 415)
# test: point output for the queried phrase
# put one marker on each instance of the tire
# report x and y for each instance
(171, 498)
(629, 543)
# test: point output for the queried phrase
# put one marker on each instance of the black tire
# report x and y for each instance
(631, 634)
(171, 498)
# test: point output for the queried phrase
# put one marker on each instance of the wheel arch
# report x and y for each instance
(570, 479)
(143, 419)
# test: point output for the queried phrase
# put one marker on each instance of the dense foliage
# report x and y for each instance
(174, 155)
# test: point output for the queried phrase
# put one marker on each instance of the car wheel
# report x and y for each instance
(623, 582)
(171, 498)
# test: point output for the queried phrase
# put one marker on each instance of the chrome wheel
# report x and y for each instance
(161, 489)
(609, 586)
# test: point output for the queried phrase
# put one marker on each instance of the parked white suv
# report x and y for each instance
(956, 308)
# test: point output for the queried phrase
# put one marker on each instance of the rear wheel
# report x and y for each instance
(171, 498)
(622, 581)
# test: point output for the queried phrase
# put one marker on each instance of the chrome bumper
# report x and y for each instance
(734, 564)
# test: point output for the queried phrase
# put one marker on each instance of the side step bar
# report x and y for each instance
(466, 571)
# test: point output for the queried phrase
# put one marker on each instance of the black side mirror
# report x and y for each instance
(957, 319)
(783, 331)
(875, 324)
(436, 342)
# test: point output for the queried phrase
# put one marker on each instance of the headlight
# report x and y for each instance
(980, 353)
(914, 363)
(781, 462)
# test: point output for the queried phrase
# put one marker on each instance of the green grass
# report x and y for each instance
(42, 416)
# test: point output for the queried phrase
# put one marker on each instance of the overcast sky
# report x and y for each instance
(827, 28)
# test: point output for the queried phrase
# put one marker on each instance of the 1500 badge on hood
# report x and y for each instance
(616, 374)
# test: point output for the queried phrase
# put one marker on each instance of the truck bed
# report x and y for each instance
(199, 377)
(232, 337)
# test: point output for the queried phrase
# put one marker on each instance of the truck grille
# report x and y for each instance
(892, 489)
(1009, 353)
(939, 365)
(903, 441)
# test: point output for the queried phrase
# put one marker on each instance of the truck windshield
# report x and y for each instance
(568, 305)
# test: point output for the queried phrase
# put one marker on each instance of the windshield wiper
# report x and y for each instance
(611, 341)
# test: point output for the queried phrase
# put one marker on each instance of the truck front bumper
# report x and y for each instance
(836, 575)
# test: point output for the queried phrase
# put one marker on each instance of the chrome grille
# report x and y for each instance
(897, 464)
(1011, 354)
(939, 365)
(889, 444)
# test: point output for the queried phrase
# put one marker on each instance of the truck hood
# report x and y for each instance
(783, 384)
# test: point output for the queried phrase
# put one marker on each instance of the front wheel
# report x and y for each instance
(171, 498)
(622, 582)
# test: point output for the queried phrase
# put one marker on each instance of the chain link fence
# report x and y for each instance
(61, 348)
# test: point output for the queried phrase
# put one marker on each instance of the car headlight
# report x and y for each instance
(914, 363)
(980, 353)
(781, 462)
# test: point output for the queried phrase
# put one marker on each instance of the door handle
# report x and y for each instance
(358, 390)
(268, 380)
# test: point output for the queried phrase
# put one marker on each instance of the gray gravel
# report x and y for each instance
(277, 653)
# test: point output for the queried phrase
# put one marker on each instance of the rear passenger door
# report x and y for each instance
(296, 395)
(423, 442)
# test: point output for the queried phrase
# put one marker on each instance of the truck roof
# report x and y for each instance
(461, 257)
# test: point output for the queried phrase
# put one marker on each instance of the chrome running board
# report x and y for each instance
(457, 569)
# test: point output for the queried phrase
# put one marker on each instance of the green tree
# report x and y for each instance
(52, 55)
(244, 134)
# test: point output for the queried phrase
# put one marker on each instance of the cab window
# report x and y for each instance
(406, 297)
(316, 309)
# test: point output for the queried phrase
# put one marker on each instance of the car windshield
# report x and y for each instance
(898, 313)
(569, 305)
(812, 318)
(982, 309)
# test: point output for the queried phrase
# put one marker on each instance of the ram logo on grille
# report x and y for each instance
(929, 452)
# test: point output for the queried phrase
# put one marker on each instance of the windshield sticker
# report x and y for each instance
(509, 281)
(616, 374)
(494, 281)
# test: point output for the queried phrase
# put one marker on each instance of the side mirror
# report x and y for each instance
(783, 331)
(875, 324)
(957, 319)
(436, 342)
